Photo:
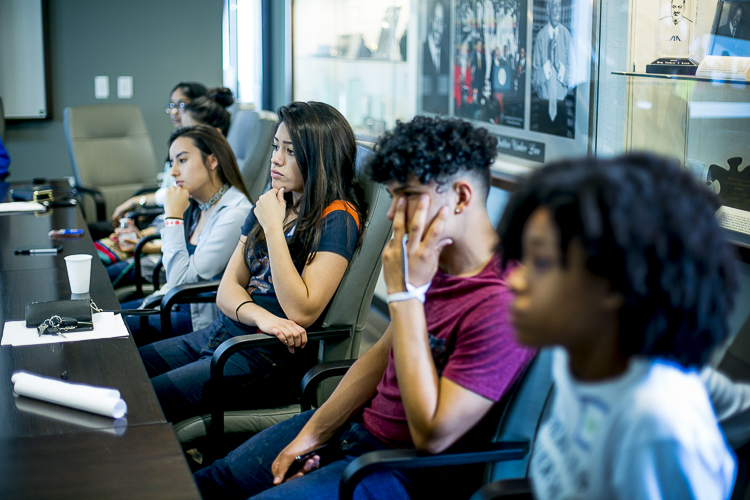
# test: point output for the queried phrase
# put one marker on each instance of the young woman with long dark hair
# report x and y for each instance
(295, 247)
(202, 212)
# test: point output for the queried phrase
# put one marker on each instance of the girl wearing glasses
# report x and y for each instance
(182, 94)
(208, 109)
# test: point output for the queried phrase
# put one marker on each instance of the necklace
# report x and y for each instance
(214, 198)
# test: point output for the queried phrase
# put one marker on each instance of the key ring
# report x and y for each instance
(53, 323)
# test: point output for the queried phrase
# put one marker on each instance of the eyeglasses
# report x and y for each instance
(172, 105)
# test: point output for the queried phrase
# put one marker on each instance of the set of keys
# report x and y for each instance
(56, 325)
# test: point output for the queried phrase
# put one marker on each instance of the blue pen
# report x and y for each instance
(61, 234)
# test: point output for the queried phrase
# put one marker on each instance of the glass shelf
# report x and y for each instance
(683, 78)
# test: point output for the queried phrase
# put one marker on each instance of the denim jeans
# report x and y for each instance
(121, 273)
(180, 369)
(246, 472)
(181, 323)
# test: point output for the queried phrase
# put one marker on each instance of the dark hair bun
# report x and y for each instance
(222, 95)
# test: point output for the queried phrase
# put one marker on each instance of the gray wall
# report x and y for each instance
(157, 42)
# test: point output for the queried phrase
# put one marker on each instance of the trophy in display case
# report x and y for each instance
(675, 30)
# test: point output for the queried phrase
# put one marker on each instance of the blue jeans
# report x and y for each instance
(246, 472)
(121, 273)
(180, 369)
(181, 323)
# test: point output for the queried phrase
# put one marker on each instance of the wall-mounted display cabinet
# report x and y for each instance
(703, 122)
(354, 55)
(550, 78)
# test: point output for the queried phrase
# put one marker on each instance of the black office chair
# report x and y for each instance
(339, 331)
(515, 419)
(142, 286)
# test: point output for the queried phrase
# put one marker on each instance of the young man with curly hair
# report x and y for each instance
(625, 269)
(447, 356)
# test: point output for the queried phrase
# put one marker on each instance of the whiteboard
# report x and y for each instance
(22, 70)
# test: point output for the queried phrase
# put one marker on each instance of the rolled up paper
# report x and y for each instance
(102, 392)
(100, 400)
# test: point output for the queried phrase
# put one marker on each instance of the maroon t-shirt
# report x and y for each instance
(473, 345)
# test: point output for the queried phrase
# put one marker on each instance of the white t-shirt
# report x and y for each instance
(731, 402)
(650, 433)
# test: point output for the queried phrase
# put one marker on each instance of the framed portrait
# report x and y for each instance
(521, 68)
(730, 34)
(553, 61)
(490, 61)
(435, 70)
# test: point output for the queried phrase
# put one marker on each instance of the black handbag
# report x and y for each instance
(56, 316)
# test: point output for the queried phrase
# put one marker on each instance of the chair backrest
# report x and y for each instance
(351, 302)
(237, 106)
(2, 120)
(524, 410)
(251, 137)
(110, 149)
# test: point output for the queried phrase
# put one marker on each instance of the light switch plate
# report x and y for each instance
(124, 87)
(101, 87)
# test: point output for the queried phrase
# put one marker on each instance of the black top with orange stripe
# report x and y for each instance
(339, 232)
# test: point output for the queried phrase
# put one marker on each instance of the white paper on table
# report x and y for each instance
(101, 400)
(21, 206)
(106, 325)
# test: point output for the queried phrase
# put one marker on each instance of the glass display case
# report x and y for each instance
(703, 122)
(550, 78)
(488, 61)
(353, 55)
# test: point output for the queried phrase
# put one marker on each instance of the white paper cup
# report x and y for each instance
(79, 272)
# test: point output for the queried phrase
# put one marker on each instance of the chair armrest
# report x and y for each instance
(200, 292)
(152, 302)
(145, 212)
(509, 489)
(146, 190)
(316, 375)
(378, 461)
(137, 254)
(231, 346)
(101, 214)
(157, 272)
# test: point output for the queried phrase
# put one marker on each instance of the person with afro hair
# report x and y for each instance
(448, 355)
(621, 265)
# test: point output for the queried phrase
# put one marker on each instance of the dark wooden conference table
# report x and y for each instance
(49, 451)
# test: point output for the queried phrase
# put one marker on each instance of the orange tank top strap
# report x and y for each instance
(342, 205)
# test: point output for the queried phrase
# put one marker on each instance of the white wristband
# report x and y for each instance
(412, 292)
